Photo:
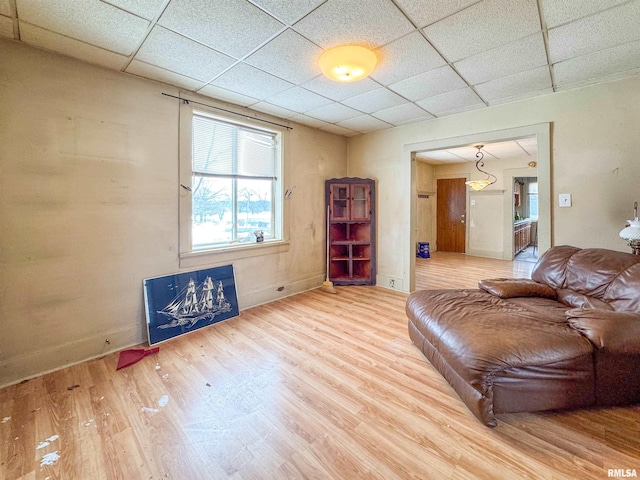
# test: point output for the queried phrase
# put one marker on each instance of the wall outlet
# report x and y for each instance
(392, 283)
(564, 199)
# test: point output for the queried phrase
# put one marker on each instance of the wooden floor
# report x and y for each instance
(314, 386)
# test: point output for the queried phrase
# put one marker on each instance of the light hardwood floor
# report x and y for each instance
(313, 386)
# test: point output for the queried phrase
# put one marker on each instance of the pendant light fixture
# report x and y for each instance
(348, 63)
(480, 184)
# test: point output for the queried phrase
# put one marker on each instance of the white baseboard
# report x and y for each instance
(392, 283)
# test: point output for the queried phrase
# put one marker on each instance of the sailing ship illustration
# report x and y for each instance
(195, 303)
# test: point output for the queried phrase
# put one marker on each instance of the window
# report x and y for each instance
(235, 184)
(532, 193)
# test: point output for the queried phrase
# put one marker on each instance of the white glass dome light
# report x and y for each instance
(631, 233)
(348, 63)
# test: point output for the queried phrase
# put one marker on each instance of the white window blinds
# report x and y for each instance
(228, 150)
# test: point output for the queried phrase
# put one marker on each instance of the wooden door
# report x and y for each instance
(451, 214)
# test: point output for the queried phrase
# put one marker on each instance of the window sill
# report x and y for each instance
(231, 253)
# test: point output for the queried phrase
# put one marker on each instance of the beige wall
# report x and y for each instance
(89, 208)
(594, 157)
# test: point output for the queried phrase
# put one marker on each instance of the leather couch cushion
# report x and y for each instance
(479, 334)
(551, 267)
(614, 332)
(606, 275)
(590, 271)
(574, 299)
(623, 293)
(516, 287)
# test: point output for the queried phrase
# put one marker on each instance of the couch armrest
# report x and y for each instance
(516, 287)
(615, 332)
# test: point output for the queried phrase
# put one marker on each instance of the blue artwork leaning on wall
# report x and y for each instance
(184, 302)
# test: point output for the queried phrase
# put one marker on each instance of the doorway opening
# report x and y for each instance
(490, 213)
(525, 214)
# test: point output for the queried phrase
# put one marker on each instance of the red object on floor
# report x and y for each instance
(134, 355)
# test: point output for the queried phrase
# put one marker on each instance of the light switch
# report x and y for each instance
(564, 199)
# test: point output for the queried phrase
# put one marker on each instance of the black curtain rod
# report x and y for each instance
(229, 111)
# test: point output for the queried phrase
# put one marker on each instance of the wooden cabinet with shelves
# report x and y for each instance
(351, 231)
(521, 235)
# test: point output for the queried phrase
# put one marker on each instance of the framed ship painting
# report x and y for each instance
(185, 302)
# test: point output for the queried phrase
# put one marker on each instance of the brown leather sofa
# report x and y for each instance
(568, 338)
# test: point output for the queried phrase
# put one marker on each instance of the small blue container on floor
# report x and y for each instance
(423, 250)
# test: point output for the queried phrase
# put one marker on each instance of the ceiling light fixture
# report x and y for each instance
(348, 63)
(480, 184)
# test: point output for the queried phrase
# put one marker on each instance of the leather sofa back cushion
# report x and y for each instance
(610, 276)
(590, 271)
(574, 299)
(623, 293)
(551, 268)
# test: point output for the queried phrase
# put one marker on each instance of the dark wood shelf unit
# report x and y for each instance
(351, 232)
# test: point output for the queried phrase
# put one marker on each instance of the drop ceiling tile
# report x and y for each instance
(274, 110)
(338, 130)
(606, 29)
(483, 26)
(370, 23)
(458, 100)
(557, 12)
(593, 81)
(289, 56)
(402, 114)
(467, 153)
(364, 123)
(90, 21)
(529, 145)
(518, 85)
(166, 49)
(352, 134)
(143, 8)
(522, 96)
(333, 113)
(6, 8)
(6, 27)
(439, 157)
(339, 91)
(404, 58)
(42, 38)
(308, 121)
(426, 12)
(523, 54)
(233, 27)
(287, 11)
(227, 95)
(429, 84)
(250, 81)
(504, 150)
(299, 100)
(375, 100)
(597, 66)
(152, 72)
